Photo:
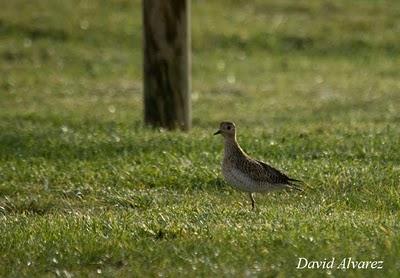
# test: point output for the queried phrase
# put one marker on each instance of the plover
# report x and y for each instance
(248, 174)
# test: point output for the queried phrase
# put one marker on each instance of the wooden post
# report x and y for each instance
(166, 25)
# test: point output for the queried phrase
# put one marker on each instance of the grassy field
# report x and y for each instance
(87, 190)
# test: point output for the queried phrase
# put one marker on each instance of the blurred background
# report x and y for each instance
(263, 60)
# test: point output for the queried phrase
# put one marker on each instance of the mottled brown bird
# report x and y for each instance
(248, 174)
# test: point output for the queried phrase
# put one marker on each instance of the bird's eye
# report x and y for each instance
(228, 127)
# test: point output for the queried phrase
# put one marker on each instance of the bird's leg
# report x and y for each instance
(253, 202)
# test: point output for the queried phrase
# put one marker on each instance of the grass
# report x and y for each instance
(86, 189)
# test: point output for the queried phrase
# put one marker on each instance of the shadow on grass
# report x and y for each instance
(61, 139)
(297, 43)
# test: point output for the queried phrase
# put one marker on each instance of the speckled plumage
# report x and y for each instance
(248, 174)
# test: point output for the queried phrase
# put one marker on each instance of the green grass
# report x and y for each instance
(86, 188)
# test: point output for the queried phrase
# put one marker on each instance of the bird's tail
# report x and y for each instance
(296, 187)
(293, 183)
(294, 180)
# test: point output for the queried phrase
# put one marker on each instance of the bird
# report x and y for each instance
(246, 173)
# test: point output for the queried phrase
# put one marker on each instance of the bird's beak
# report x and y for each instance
(218, 132)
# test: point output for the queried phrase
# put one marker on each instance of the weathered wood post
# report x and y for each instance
(166, 25)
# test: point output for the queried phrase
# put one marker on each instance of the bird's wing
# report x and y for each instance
(277, 177)
(272, 175)
(259, 171)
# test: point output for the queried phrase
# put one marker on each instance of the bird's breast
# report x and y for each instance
(242, 181)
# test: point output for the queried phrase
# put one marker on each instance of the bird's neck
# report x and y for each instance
(232, 148)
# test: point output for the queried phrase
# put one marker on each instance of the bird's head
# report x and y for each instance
(226, 129)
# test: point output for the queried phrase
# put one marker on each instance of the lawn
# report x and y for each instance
(86, 189)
